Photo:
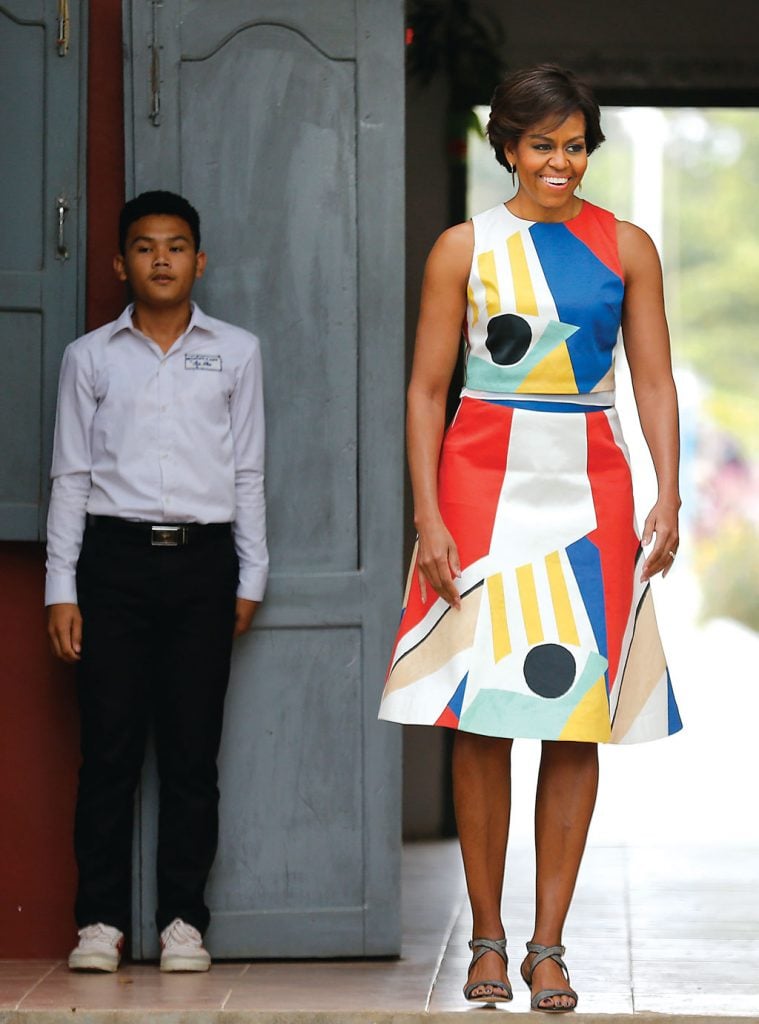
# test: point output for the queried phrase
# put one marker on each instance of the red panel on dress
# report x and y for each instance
(615, 537)
(469, 487)
(448, 718)
(598, 230)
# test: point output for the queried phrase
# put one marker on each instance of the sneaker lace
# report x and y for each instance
(181, 933)
(99, 931)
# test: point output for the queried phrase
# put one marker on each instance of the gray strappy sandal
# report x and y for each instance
(548, 953)
(480, 947)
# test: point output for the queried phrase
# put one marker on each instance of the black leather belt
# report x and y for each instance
(159, 535)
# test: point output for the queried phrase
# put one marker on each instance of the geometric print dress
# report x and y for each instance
(556, 637)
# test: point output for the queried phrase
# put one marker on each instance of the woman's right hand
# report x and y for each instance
(438, 563)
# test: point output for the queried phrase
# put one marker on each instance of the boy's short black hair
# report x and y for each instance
(158, 202)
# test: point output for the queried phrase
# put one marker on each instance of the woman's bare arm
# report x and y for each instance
(646, 339)
(438, 337)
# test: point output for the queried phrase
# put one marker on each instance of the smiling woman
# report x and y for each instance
(551, 162)
(528, 610)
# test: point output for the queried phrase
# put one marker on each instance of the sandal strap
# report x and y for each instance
(468, 989)
(542, 953)
(480, 947)
(550, 993)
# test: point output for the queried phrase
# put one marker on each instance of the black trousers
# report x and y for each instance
(156, 646)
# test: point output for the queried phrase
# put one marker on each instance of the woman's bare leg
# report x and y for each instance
(482, 799)
(566, 796)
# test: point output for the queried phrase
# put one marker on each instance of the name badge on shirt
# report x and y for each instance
(200, 362)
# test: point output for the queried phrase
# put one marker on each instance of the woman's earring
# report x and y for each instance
(513, 174)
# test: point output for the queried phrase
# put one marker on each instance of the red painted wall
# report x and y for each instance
(105, 161)
(39, 746)
(38, 762)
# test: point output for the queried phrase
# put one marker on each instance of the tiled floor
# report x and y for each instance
(655, 935)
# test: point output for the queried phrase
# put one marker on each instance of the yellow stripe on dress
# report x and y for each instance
(489, 278)
(529, 599)
(498, 622)
(524, 293)
(472, 305)
(562, 606)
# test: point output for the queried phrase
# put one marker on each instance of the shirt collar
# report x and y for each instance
(198, 319)
(124, 322)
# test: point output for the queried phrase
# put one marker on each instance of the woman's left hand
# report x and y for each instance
(661, 522)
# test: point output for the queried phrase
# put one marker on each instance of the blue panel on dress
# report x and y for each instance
(458, 698)
(573, 273)
(585, 559)
(547, 406)
(674, 722)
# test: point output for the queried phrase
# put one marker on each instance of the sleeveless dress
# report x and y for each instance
(556, 637)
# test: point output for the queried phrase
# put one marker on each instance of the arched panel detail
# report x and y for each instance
(328, 26)
(259, 24)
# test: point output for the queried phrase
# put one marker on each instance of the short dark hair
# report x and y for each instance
(158, 202)
(531, 95)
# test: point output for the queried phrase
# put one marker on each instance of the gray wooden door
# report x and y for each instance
(41, 310)
(282, 120)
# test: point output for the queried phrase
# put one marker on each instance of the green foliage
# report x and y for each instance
(738, 414)
(448, 37)
(713, 226)
(729, 570)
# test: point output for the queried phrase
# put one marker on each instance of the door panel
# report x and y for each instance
(283, 123)
(21, 358)
(298, 289)
(22, 129)
(41, 157)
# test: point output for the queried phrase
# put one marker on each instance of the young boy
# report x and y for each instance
(156, 559)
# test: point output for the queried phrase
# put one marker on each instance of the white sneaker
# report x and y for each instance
(99, 949)
(182, 948)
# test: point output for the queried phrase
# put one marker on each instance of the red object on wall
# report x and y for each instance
(39, 747)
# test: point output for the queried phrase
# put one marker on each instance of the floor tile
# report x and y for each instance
(134, 986)
(704, 1004)
(653, 935)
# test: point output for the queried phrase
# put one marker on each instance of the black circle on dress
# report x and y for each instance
(509, 337)
(549, 670)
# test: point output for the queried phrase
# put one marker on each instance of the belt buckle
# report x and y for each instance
(168, 536)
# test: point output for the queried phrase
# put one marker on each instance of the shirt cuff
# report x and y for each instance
(252, 584)
(60, 590)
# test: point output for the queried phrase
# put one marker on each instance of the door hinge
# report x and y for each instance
(155, 64)
(64, 28)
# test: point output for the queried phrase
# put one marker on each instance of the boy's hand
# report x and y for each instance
(64, 628)
(244, 612)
